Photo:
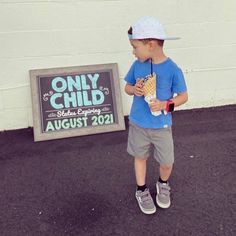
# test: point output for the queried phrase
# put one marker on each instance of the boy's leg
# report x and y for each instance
(138, 146)
(165, 172)
(164, 154)
(163, 188)
(143, 197)
(140, 167)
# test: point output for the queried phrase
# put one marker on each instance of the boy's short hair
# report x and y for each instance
(148, 28)
(146, 40)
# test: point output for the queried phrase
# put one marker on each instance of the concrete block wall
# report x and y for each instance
(58, 33)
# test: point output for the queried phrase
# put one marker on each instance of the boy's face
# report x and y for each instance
(141, 50)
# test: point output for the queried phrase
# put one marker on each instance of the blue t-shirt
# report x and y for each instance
(170, 80)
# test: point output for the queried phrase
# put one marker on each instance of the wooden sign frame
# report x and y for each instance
(90, 86)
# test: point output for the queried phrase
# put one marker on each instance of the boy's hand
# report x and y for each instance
(138, 88)
(156, 105)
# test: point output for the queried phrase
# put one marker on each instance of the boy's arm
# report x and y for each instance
(178, 100)
(129, 89)
(134, 89)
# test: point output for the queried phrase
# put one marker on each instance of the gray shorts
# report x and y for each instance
(141, 141)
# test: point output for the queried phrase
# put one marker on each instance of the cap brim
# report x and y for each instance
(171, 38)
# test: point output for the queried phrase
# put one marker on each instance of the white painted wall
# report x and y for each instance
(37, 34)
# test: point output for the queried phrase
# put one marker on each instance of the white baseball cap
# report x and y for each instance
(149, 27)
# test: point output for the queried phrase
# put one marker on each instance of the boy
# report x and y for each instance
(145, 130)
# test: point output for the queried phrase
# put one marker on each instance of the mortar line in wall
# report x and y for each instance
(120, 78)
(199, 47)
(15, 87)
(199, 22)
(59, 30)
(209, 69)
(62, 55)
(92, 53)
(121, 51)
(103, 28)
(51, 1)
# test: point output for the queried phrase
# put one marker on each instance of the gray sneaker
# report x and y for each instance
(163, 195)
(145, 201)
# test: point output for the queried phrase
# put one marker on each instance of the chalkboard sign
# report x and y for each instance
(76, 101)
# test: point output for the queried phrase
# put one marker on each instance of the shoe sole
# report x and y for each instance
(162, 205)
(150, 212)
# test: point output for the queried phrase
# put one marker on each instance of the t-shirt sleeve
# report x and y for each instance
(130, 78)
(179, 84)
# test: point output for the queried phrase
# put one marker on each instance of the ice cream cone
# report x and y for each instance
(149, 89)
(150, 86)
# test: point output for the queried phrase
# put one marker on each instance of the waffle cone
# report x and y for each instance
(149, 87)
